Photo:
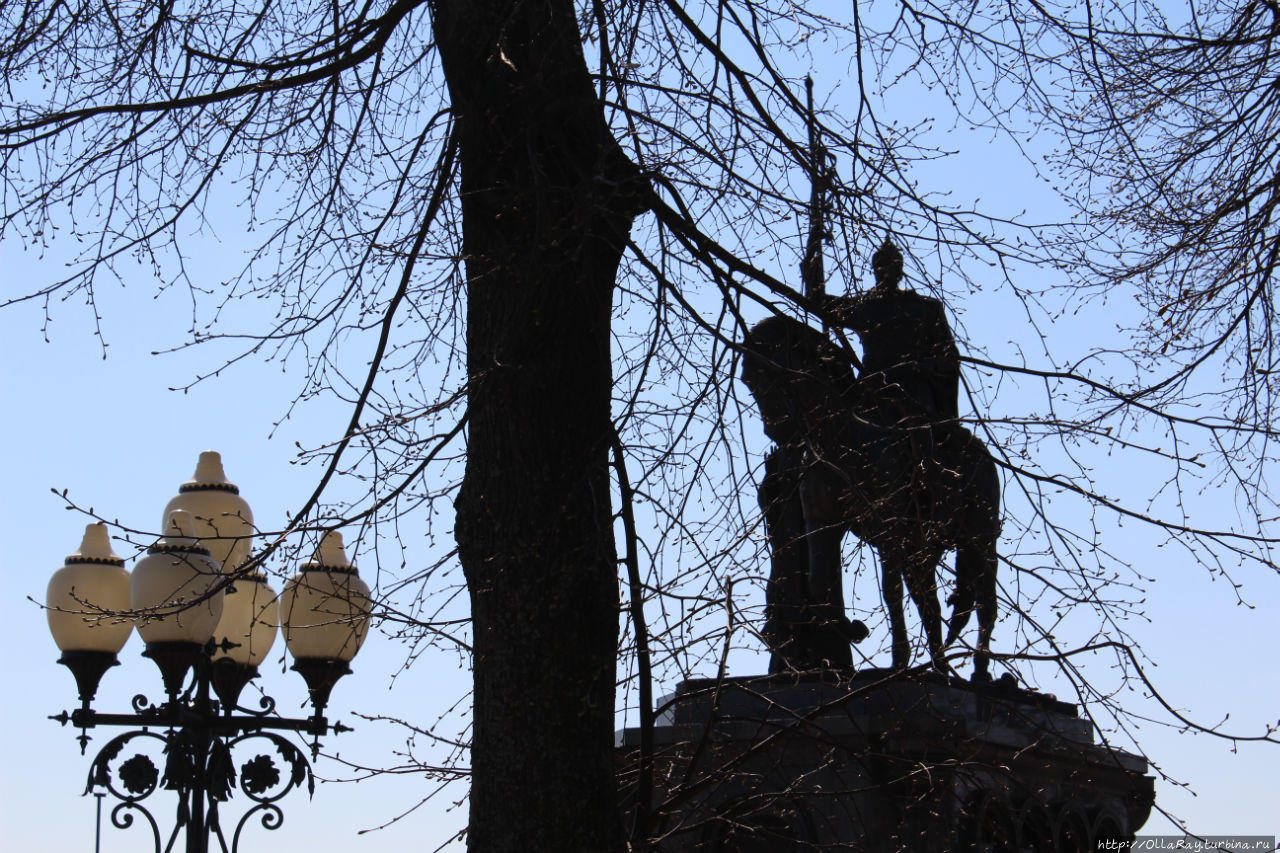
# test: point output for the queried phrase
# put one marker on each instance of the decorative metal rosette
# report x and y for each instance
(262, 777)
(131, 778)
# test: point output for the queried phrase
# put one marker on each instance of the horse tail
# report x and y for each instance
(976, 558)
(965, 596)
(975, 589)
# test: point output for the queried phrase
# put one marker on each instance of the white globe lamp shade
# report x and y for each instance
(174, 589)
(325, 607)
(88, 597)
(250, 614)
(244, 634)
(221, 519)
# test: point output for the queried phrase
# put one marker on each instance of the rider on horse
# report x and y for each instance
(910, 360)
(862, 456)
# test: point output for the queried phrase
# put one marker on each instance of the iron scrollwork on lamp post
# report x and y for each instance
(208, 619)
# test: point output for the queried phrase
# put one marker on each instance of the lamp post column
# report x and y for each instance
(197, 784)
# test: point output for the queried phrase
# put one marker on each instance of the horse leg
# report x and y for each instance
(891, 590)
(920, 572)
(987, 614)
(824, 529)
(787, 629)
(975, 592)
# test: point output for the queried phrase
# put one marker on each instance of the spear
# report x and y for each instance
(812, 276)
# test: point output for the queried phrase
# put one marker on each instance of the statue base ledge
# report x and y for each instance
(882, 760)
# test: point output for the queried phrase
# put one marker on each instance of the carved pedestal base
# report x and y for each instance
(880, 763)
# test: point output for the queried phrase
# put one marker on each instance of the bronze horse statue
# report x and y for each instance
(845, 462)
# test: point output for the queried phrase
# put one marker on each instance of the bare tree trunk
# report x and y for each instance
(548, 199)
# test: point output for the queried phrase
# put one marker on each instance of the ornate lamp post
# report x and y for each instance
(208, 618)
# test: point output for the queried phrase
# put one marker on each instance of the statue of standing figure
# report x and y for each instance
(880, 454)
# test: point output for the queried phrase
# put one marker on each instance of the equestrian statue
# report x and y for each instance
(881, 454)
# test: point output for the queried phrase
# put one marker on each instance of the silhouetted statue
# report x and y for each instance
(909, 356)
(848, 458)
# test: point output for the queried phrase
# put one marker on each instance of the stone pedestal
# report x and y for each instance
(879, 762)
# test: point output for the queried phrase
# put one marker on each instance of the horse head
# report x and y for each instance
(800, 380)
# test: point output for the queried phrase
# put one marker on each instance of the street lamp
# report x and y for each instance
(325, 617)
(208, 618)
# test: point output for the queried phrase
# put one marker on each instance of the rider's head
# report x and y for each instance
(886, 263)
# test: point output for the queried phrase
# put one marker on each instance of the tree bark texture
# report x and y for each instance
(547, 199)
